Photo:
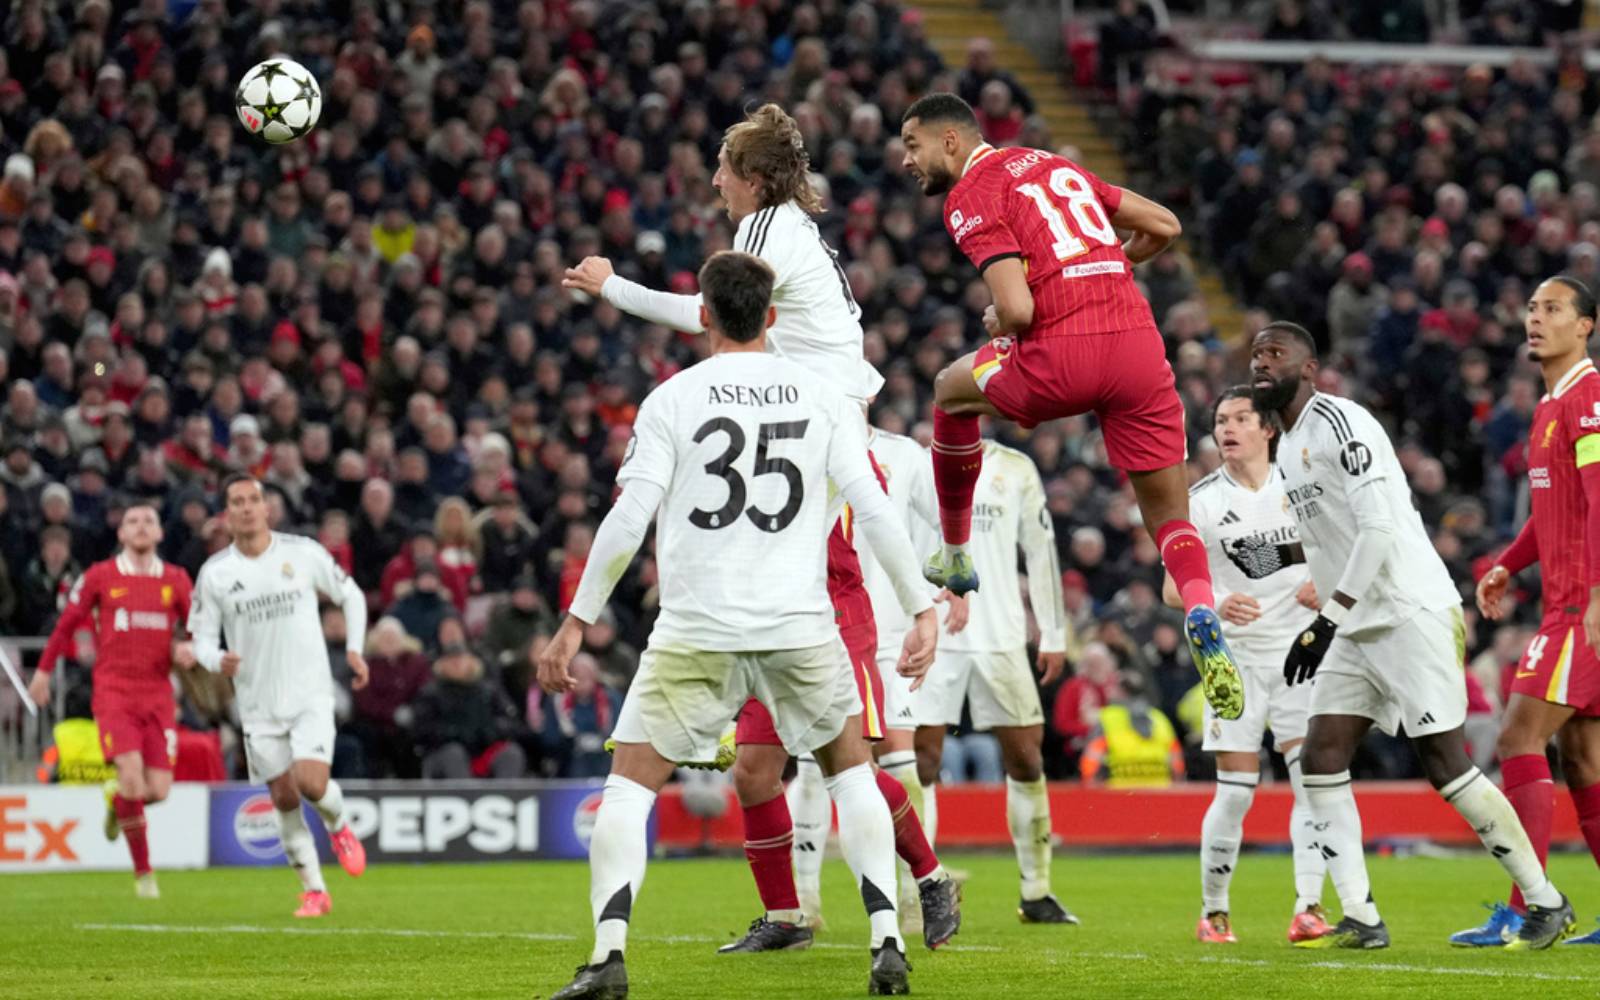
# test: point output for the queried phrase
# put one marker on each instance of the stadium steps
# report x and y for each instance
(952, 23)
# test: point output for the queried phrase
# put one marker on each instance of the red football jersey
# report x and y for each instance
(1056, 216)
(847, 589)
(1565, 436)
(133, 615)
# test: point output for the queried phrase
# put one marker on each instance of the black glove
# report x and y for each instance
(1305, 656)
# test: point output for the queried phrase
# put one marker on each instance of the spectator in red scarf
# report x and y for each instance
(573, 726)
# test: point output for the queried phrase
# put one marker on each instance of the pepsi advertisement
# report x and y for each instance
(422, 821)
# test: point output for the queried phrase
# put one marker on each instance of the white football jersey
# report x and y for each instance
(1335, 448)
(1249, 536)
(1008, 510)
(267, 608)
(908, 469)
(819, 323)
(744, 445)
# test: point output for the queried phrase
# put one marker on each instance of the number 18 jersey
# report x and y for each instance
(744, 445)
(1056, 216)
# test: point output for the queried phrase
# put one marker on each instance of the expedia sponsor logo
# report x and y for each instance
(960, 226)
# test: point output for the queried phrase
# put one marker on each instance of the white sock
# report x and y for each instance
(331, 807)
(1028, 815)
(901, 765)
(812, 813)
(866, 836)
(1310, 867)
(951, 550)
(1221, 833)
(930, 812)
(1333, 807)
(616, 862)
(301, 849)
(1490, 813)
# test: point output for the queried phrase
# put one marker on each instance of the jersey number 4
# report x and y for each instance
(722, 467)
(1073, 189)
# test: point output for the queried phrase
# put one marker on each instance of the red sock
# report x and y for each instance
(1185, 557)
(909, 840)
(1526, 780)
(769, 847)
(957, 460)
(130, 819)
(1587, 799)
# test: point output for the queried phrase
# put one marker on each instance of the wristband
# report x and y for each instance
(1334, 612)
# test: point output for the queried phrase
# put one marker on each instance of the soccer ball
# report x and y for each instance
(279, 100)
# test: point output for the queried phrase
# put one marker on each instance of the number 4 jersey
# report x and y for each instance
(1056, 216)
(744, 446)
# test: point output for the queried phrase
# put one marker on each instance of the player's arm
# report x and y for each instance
(1587, 450)
(334, 583)
(1518, 556)
(1153, 226)
(182, 647)
(924, 503)
(205, 628)
(1375, 539)
(596, 277)
(1037, 535)
(81, 602)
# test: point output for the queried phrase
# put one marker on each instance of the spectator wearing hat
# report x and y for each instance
(22, 477)
(52, 448)
(520, 616)
(247, 452)
(422, 607)
(464, 725)
(1353, 306)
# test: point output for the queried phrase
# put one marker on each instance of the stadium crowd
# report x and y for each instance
(371, 319)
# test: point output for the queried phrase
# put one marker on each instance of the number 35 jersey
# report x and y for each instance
(819, 323)
(1056, 216)
(744, 446)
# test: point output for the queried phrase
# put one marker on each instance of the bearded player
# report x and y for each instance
(1071, 335)
(1556, 691)
(134, 600)
(763, 176)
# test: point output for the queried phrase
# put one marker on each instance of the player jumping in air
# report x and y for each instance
(984, 666)
(1391, 632)
(134, 600)
(762, 174)
(733, 459)
(1071, 335)
(1258, 564)
(261, 592)
(1556, 690)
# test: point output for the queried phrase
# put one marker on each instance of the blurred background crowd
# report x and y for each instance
(371, 319)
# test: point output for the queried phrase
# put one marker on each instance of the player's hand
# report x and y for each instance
(230, 664)
(1306, 596)
(39, 688)
(956, 620)
(358, 667)
(563, 646)
(991, 321)
(183, 655)
(1492, 592)
(588, 276)
(1307, 652)
(1050, 667)
(917, 653)
(1239, 609)
(1591, 619)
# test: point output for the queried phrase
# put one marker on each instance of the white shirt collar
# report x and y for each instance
(984, 149)
(1577, 371)
(125, 566)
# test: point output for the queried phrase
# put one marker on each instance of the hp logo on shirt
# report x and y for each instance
(1355, 458)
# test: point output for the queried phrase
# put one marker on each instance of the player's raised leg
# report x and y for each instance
(316, 785)
(958, 402)
(298, 845)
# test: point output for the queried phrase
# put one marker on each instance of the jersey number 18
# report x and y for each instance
(1073, 189)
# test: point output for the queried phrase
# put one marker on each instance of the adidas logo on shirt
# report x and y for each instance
(237, 588)
(1230, 518)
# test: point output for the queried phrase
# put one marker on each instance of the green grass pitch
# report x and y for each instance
(519, 930)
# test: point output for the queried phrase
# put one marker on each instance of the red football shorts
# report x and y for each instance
(1122, 378)
(861, 641)
(1561, 668)
(150, 729)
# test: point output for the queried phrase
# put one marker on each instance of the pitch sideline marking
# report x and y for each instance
(1136, 956)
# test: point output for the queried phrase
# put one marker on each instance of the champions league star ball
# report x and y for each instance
(279, 100)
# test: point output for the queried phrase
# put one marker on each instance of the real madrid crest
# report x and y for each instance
(1305, 458)
(288, 571)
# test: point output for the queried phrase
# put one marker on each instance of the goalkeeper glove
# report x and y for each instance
(1308, 650)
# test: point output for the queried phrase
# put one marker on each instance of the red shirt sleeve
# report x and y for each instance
(1109, 194)
(974, 220)
(183, 591)
(81, 601)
